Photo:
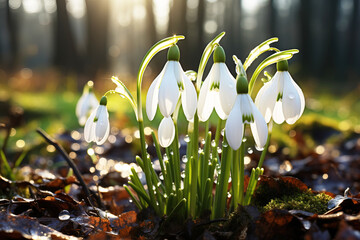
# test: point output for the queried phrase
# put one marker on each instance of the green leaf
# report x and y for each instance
(257, 51)
(7, 171)
(205, 57)
(274, 58)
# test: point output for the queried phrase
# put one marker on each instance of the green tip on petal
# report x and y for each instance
(173, 53)
(219, 55)
(282, 66)
(103, 101)
(242, 84)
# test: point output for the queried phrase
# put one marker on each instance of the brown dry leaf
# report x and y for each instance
(279, 224)
(17, 227)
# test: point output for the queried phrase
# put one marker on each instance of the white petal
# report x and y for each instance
(218, 108)
(79, 105)
(293, 100)
(166, 132)
(278, 114)
(168, 91)
(89, 104)
(259, 128)
(206, 97)
(266, 98)
(102, 128)
(188, 98)
(89, 129)
(227, 90)
(153, 96)
(246, 106)
(234, 127)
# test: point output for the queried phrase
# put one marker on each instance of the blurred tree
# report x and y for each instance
(97, 37)
(65, 52)
(12, 22)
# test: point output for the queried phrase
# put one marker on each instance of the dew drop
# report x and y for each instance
(184, 159)
(182, 174)
(161, 176)
(250, 150)
(223, 132)
(219, 150)
(64, 215)
(203, 141)
(244, 139)
(213, 143)
(187, 138)
(291, 96)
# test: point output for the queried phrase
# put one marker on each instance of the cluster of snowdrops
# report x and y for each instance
(218, 158)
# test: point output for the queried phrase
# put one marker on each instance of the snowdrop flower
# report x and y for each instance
(167, 87)
(166, 132)
(218, 89)
(245, 111)
(281, 98)
(97, 127)
(86, 104)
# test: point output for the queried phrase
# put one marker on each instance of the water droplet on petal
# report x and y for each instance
(291, 96)
(64, 215)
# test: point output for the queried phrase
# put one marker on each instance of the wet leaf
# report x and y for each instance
(15, 227)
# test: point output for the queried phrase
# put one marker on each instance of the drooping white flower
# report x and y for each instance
(168, 86)
(218, 89)
(281, 98)
(166, 132)
(86, 104)
(97, 127)
(245, 111)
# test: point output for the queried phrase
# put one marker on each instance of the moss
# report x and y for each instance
(306, 201)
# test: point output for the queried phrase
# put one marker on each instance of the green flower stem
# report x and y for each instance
(222, 184)
(205, 163)
(253, 178)
(264, 152)
(186, 191)
(176, 164)
(170, 168)
(217, 136)
(242, 173)
(193, 186)
(235, 178)
(247, 198)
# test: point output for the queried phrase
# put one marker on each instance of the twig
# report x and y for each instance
(76, 171)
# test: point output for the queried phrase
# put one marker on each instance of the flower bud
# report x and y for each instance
(241, 84)
(219, 55)
(173, 53)
(103, 101)
(282, 66)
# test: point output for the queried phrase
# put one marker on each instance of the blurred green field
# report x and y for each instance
(332, 115)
